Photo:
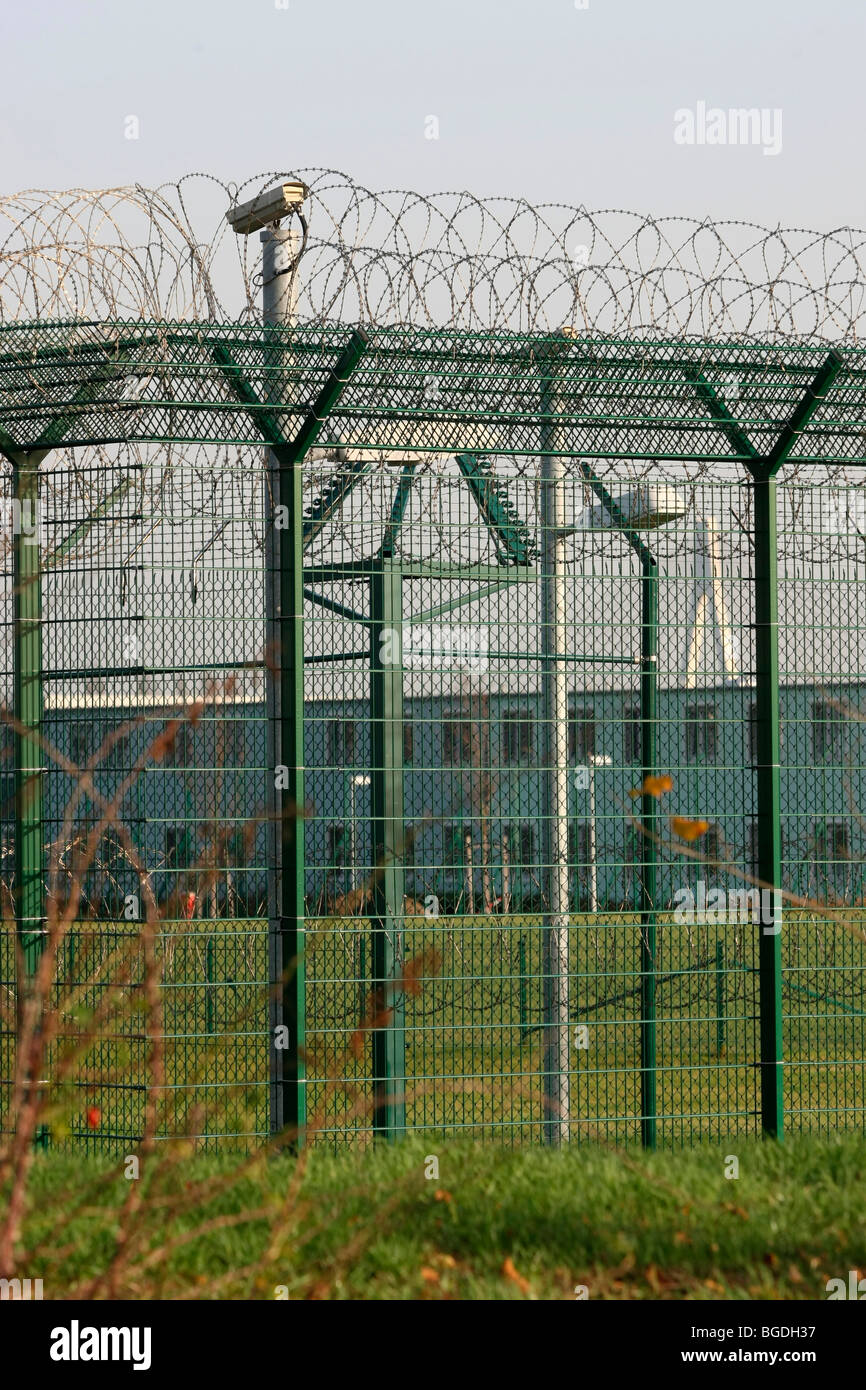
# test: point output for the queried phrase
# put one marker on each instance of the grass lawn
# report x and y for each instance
(494, 1224)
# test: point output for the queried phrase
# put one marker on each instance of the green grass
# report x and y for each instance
(495, 1224)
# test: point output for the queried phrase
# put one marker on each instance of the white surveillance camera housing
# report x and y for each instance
(268, 207)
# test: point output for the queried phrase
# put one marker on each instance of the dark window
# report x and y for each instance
(172, 845)
(581, 734)
(632, 743)
(831, 841)
(827, 730)
(120, 752)
(701, 733)
(713, 843)
(341, 742)
(578, 843)
(457, 740)
(453, 839)
(337, 846)
(521, 843)
(518, 740)
(79, 744)
(235, 743)
(408, 742)
(182, 752)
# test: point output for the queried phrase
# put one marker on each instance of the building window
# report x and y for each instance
(713, 843)
(578, 844)
(632, 741)
(521, 843)
(518, 738)
(235, 743)
(457, 740)
(341, 742)
(581, 734)
(120, 752)
(337, 846)
(408, 742)
(183, 744)
(754, 846)
(453, 843)
(827, 728)
(79, 744)
(701, 733)
(831, 841)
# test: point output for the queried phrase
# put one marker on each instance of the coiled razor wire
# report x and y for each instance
(449, 259)
(398, 258)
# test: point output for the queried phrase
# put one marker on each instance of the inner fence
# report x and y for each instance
(532, 901)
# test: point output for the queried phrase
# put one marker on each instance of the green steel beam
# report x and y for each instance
(398, 509)
(640, 548)
(423, 569)
(803, 412)
(502, 520)
(29, 897)
(463, 599)
(738, 440)
(322, 508)
(290, 1100)
(649, 848)
(769, 799)
(333, 607)
(768, 718)
(386, 802)
(82, 531)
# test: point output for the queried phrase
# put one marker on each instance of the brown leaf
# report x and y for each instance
(516, 1278)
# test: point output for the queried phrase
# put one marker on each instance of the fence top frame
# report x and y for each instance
(418, 392)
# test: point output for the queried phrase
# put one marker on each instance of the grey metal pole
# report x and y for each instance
(555, 737)
(280, 247)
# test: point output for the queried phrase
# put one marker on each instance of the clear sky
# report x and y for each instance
(532, 97)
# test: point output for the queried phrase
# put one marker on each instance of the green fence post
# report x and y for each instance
(27, 711)
(649, 856)
(386, 805)
(769, 797)
(720, 998)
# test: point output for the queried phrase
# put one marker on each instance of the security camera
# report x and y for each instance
(266, 208)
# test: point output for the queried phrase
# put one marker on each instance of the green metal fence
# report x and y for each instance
(485, 756)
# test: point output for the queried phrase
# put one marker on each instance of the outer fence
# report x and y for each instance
(556, 675)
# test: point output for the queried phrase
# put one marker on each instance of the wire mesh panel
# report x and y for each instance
(536, 730)
(458, 777)
(822, 594)
(155, 763)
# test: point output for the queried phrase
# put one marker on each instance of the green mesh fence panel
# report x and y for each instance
(486, 948)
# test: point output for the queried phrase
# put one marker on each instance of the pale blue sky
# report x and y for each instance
(533, 97)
